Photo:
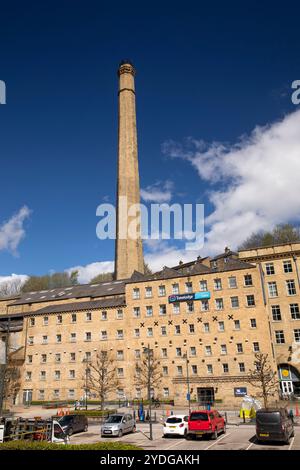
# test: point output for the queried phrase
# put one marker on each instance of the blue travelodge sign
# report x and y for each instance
(189, 297)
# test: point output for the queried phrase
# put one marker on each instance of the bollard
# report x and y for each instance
(225, 417)
(155, 416)
(244, 418)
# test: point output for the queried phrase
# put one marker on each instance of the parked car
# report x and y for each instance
(73, 423)
(274, 424)
(118, 424)
(205, 422)
(176, 425)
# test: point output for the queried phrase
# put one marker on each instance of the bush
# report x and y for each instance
(35, 445)
(91, 413)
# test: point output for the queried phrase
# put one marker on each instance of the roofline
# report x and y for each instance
(259, 247)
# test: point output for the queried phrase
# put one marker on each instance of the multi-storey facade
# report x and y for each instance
(206, 319)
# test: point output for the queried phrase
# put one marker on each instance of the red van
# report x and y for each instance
(205, 422)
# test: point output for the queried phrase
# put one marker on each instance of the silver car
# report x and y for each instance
(118, 424)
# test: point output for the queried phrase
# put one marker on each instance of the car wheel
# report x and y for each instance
(214, 435)
(70, 431)
(293, 434)
(85, 429)
(185, 433)
(287, 441)
(120, 433)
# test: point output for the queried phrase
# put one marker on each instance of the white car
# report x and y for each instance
(176, 425)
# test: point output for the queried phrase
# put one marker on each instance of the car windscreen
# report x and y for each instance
(65, 420)
(199, 417)
(174, 420)
(114, 419)
(268, 418)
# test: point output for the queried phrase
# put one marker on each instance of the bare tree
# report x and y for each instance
(148, 371)
(11, 384)
(264, 378)
(10, 288)
(101, 376)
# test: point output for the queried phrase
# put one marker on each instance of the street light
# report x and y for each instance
(188, 381)
(149, 351)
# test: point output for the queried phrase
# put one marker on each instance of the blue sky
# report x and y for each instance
(205, 72)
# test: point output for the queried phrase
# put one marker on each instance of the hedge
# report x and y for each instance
(41, 445)
(91, 413)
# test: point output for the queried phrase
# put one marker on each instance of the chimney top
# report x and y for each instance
(126, 66)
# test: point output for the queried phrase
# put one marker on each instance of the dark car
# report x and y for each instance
(73, 423)
(274, 424)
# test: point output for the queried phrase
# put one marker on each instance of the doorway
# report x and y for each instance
(205, 395)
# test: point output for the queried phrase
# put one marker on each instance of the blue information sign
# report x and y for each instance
(240, 391)
(189, 297)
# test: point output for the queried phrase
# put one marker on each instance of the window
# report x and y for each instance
(221, 326)
(253, 322)
(137, 354)
(57, 357)
(166, 392)
(87, 356)
(59, 319)
(45, 339)
(237, 325)
(161, 291)
(234, 302)
(291, 287)
(73, 337)
(204, 305)
(297, 335)
(176, 308)
(32, 322)
(28, 376)
(189, 287)
(287, 266)
(120, 334)
(194, 370)
(179, 370)
(164, 352)
(72, 374)
(203, 285)
(206, 327)
(191, 328)
(56, 393)
(165, 370)
(242, 367)
(219, 304)
(178, 352)
(279, 336)
(149, 311)
(43, 375)
(295, 313)
(239, 348)
(88, 316)
(208, 350)
(136, 312)
(150, 332)
(273, 292)
(71, 393)
(148, 292)
(248, 280)
(163, 330)
(29, 359)
(58, 338)
(163, 309)
(41, 394)
(72, 357)
(119, 314)
(45, 321)
(120, 393)
(232, 282)
(276, 313)
(138, 393)
(104, 315)
(225, 368)
(193, 351)
(223, 349)
(256, 346)
(217, 284)
(136, 332)
(209, 368)
(190, 307)
(120, 372)
(175, 288)
(177, 329)
(250, 300)
(270, 269)
(88, 336)
(73, 318)
(136, 293)
(56, 375)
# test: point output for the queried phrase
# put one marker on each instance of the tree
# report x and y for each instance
(50, 281)
(101, 376)
(148, 372)
(10, 288)
(147, 269)
(102, 277)
(11, 383)
(264, 378)
(282, 233)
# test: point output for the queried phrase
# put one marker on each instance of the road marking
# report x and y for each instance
(250, 445)
(218, 440)
(174, 445)
(292, 442)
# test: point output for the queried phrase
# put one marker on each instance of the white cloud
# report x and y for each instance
(254, 183)
(86, 273)
(12, 231)
(160, 253)
(158, 192)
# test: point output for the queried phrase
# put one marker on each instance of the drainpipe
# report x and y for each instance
(297, 270)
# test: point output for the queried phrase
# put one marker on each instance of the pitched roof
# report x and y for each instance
(77, 306)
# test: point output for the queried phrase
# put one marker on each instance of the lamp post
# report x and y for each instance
(188, 381)
(149, 351)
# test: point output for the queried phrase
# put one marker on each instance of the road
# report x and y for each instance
(236, 438)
